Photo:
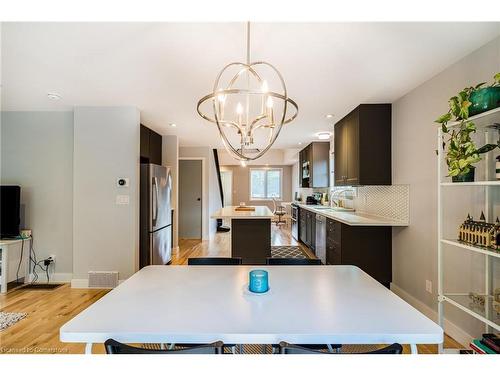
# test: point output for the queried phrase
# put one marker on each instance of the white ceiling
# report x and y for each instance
(164, 68)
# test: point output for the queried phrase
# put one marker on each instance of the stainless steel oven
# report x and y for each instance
(295, 221)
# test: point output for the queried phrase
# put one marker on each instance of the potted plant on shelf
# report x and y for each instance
(462, 152)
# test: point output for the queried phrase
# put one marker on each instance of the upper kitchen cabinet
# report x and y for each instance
(314, 163)
(362, 142)
(150, 149)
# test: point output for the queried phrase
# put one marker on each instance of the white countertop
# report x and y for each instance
(353, 218)
(229, 212)
(199, 304)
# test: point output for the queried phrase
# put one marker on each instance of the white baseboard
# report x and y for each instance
(451, 329)
(54, 277)
(84, 284)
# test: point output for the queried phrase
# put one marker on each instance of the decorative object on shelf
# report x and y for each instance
(497, 168)
(462, 151)
(480, 233)
(496, 301)
(258, 281)
(248, 114)
(485, 98)
(477, 301)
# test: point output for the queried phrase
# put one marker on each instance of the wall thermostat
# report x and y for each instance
(122, 182)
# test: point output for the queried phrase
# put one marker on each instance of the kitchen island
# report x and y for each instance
(250, 233)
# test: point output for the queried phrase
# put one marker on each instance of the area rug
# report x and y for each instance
(288, 252)
(8, 319)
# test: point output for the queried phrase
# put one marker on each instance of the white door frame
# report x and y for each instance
(204, 198)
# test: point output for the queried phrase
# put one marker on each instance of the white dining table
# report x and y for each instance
(202, 304)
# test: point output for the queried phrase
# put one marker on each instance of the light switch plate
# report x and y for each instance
(122, 199)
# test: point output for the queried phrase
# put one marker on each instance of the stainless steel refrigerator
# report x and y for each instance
(156, 215)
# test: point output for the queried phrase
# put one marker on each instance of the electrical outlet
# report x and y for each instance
(52, 258)
(428, 286)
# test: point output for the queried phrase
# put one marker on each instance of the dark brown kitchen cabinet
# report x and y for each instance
(311, 230)
(302, 225)
(314, 162)
(307, 228)
(369, 248)
(150, 146)
(362, 146)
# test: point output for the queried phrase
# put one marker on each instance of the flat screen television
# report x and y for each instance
(10, 211)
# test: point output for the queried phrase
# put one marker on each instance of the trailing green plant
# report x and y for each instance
(462, 151)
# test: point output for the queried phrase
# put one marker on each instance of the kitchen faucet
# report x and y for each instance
(337, 193)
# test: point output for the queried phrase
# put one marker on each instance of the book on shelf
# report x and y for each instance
(480, 348)
(492, 341)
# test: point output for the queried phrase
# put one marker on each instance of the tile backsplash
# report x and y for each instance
(392, 202)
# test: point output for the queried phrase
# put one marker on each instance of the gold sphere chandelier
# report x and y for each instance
(248, 113)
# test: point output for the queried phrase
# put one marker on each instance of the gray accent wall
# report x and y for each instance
(37, 154)
(414, 140)
(106, 146)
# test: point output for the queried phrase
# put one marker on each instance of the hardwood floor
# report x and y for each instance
(49, 310)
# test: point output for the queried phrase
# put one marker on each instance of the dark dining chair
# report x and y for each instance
(293, 262)
(214, 261)
(286, 348)
(115, 347)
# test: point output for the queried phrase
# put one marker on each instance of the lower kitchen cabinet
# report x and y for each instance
(307, 228)
(369, 248)
(302, 226)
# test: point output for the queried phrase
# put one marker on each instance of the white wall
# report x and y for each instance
(106, 146)
(211, 185)
(37, 154)
(414, 138)
(170, 156)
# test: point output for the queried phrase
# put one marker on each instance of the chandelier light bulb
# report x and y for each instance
(239, 109)
(243, 163)
(221, 98)
(265, 88)
(269, 102)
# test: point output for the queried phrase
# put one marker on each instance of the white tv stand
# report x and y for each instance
(10, 255)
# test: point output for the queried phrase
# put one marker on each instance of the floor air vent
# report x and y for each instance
(103, 279)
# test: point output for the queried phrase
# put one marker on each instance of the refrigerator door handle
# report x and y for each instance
(155, 203)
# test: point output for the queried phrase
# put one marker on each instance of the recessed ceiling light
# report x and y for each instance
(53, 96)
(173, 125)
(324, 135)
(300, 143)
(330, 115)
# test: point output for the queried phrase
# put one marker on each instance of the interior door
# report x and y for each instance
(190, 199)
